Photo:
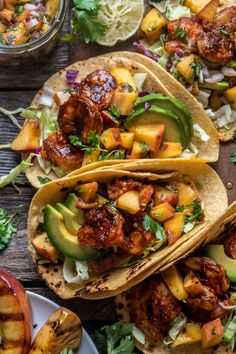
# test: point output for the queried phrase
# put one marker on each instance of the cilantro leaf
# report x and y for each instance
(87, 4)
(85, 24)
(43, 180)
(112, 155)
(197, 213)
(233, 156)
(144, 145)
(114, 112)
(154, 227)
(93, 140)
(66, 351)
(181, 34)
(7, 228)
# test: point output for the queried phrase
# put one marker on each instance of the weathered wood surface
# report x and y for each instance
(17, 89)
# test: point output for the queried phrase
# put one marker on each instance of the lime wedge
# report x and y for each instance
(122, 18)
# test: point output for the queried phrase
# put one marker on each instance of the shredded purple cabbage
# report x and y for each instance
(41, 8)
(38, 151)
(71, 76)
(141, 49)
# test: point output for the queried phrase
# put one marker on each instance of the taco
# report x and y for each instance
(191, 305)
(96, 234)
(194, 42)
(91, 111)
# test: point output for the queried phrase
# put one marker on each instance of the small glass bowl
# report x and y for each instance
(38, 48)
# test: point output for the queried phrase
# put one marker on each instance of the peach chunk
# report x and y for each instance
(28, 138)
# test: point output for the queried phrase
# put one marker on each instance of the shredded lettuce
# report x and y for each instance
(174, 13)
(75, 272)
(139, 79)
(200, 132)
(11, 115)
(15, 172)
(178, 324)
(158, 48)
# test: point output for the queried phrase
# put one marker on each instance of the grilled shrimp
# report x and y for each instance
(102, 228)
(226, 19)
(137, 241)
(79, 116)
(152, 307)
(214, 45)
(230, 245)
(57, 149)
(121, 186)
(99, 87)
(187, 38)
(206, 301)
(211, 273)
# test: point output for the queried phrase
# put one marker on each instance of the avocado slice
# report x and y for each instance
(174, 128)
(70, 219)
(217, 253)
(219, 86)
(62, 239)
(70, 203)
(173, 105)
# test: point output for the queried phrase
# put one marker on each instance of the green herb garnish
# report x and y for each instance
(66, 351)
(114, 112)
(93, 140)
(112, 155)
(181, 34)
(144, 145)
(43, 180)
(84, 21)
(197, 212)
(7, 228)
(233, 156)
(154, 227)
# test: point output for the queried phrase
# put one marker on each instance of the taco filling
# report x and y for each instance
(106, 116)
(196, 43)
(193, 301)
(101, 226)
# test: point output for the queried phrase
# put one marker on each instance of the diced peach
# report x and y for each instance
(162, 212)
(151, 135)
(129, 201)
(122, 76)
(209, 11)
(185, 68)
(175, 283)
(192, 334)
(17, 36)
(28, 138)
(166, 194)
(193, 285)
(44, 248)
(111, 138)
(124, 101)
(138, 151)
(88, 191)
(153, 25)
(174, 227)
(109, 120)
(7, 14)
(127, 140)
(90, 158)
(168, 149)
(196, 5)
(186, 193)
(52, 7)
(145, 194)
(212, 333)
(230, 94)
(23, 16)
(2, 27)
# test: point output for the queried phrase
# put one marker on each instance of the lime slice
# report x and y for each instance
(122, 18)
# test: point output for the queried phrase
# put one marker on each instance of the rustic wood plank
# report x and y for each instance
(33, 76)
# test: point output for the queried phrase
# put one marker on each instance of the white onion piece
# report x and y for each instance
(35, 14)
(30, 7)
(215, 78)
(46, 98)
(31, 24)
(226, 71)
(205, 72)
(225, 115)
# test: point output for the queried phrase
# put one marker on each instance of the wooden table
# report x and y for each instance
(17, 88)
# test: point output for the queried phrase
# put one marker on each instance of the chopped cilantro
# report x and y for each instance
(112, 155)
(196, 211)
(181, 34)
(18, 10)
(144, 145)
(196, 69)
(66, 351)
(114, 112)
(93, 140)
(154, 227)
(1, 40)
(7, 228)
(43, 180)
(233, 156)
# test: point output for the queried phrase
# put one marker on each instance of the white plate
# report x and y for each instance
(42, 308)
